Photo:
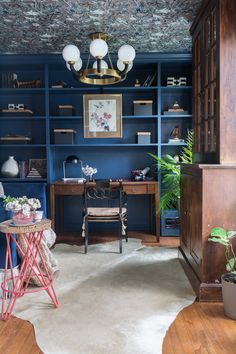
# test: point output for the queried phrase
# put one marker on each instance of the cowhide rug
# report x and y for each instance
(110, 303)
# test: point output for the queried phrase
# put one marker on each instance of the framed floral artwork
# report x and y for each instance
(102, 116)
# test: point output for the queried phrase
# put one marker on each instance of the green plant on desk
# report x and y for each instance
(170, 168)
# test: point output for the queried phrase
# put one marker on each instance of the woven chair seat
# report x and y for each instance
(105, 212)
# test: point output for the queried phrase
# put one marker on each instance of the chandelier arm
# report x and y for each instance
(123, 77)
(99, 67)
(125, 71)
(109, 58)
(75, 73)
(88, 62)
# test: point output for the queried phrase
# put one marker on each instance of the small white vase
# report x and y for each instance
(10, 168)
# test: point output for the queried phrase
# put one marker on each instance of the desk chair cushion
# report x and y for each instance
(109, 212)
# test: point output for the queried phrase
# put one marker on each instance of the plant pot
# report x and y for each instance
(229, 294)
(20, 219)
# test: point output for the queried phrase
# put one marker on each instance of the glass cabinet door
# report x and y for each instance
(209, 89)
(197, 116)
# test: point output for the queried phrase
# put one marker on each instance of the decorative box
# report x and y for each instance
(64, 136)
(15, 140)
(66, 110)
(143, 137)
(143, 108)
(170, 223)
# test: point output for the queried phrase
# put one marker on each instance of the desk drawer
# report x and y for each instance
(69, 190)
(138, 189)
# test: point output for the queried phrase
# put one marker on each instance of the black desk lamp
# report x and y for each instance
(75, 160)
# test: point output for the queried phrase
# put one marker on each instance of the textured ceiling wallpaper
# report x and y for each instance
(46, 26)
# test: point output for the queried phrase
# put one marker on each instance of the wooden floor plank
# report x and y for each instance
(209, 331)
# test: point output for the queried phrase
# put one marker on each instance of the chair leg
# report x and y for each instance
(120, 236)
(86, 237)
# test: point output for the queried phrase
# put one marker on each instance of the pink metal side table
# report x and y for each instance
(32, 265)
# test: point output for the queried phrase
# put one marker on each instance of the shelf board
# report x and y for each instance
(168, 144)
(65, 117)
(124, 117)
(21, 90)
(102, 145)
(171, 116)
(73, 89)
(22, 180)
(22, 145)
(176, 88)
(140, 117)
(22, 117)
(130, 88)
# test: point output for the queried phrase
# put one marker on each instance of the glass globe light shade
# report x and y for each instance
(103, 65)
(121, 65)
(126, 53)
(98, 48)
(78, 65)
(71, 53)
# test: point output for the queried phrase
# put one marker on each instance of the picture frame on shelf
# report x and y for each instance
(102, 116)
(37, 168)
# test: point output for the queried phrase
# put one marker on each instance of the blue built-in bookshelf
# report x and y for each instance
(113, 157)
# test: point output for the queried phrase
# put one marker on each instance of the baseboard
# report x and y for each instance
(192, 277)
(205, 292)
(210, 292)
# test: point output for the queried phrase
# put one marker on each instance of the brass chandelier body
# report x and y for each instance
(99, 75)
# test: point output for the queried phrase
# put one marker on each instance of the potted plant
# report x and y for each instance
(170, 168)
(22, 208)
(223, 237)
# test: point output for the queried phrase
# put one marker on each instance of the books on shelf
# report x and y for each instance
(149, 80)
(33, 173)
(176, 141)
(8, 79)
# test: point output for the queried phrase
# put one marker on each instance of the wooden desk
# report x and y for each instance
(151, 188)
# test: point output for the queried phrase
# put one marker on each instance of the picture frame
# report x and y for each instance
(40, 165)
(102, 116)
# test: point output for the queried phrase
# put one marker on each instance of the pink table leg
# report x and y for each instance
(30, 267)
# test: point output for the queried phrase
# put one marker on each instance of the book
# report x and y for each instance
(150, 82)
(147, 80)
(175, 141)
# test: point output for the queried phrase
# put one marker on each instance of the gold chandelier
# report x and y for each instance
(100, 73)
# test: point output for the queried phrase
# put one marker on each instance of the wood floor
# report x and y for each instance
(200, 328)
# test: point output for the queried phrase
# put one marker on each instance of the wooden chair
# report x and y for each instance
(104, 203)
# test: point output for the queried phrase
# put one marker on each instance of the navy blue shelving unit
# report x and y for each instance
(114, 158)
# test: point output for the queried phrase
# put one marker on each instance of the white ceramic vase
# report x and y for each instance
(10, 168)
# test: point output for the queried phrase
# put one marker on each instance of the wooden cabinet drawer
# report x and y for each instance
(138, 189)
(69, 190)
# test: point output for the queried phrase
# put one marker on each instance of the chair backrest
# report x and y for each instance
(102, 191)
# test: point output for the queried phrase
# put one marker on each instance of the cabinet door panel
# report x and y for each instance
(191, 225)
(184, 213)
(195, 220)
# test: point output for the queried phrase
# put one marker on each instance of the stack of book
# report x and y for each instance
(8, 79)
(33, 173)
(176, 141)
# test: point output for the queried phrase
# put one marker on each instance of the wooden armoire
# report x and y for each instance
(208, 187)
